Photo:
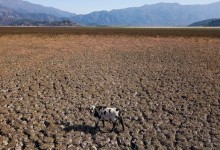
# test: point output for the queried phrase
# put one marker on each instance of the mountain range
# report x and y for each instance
(161, 14)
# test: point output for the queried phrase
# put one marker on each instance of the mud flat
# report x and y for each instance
(168, 88)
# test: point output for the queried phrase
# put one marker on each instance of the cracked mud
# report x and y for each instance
(168, 89)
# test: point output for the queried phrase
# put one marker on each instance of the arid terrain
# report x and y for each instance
(167, 86)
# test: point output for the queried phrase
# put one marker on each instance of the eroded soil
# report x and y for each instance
(168, 89)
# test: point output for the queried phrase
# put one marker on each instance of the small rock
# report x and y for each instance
(70, 146)
(140, 119)
(93, 148)
(61, 147)
(47, 146)
(5, 143)
(84, 144)
(77, 140)
(102, 141)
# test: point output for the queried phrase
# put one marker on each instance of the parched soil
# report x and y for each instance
(167, 87)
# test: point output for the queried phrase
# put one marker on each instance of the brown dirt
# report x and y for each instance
(168, 88)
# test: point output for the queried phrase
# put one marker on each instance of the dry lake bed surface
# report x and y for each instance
(167, 85)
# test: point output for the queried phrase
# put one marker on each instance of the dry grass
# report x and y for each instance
(168, 88)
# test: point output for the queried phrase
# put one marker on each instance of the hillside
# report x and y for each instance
(11, 17)
(8, 16)
(29, 8)
(29, 22)
(161, 14)
(20, 13)
(207, 23)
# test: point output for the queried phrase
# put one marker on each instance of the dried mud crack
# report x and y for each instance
(168, 89)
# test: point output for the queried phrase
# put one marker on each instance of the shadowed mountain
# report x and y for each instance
(207, 23)
(161, 14)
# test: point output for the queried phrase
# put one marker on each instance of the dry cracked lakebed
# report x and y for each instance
(167, 87)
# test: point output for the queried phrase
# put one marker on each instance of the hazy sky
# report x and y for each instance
(86, 6)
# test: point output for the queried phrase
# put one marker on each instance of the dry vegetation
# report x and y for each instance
(150, 32)
(168, 88)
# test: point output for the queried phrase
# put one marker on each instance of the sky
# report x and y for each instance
(87, 6)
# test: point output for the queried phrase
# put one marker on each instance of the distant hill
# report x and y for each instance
(207, 23)
(28, 22)
(18, 12)
(13, 18)
(9, 17)
(26, 7)
(161, 14)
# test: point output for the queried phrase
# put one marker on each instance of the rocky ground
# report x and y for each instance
(168, 89)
